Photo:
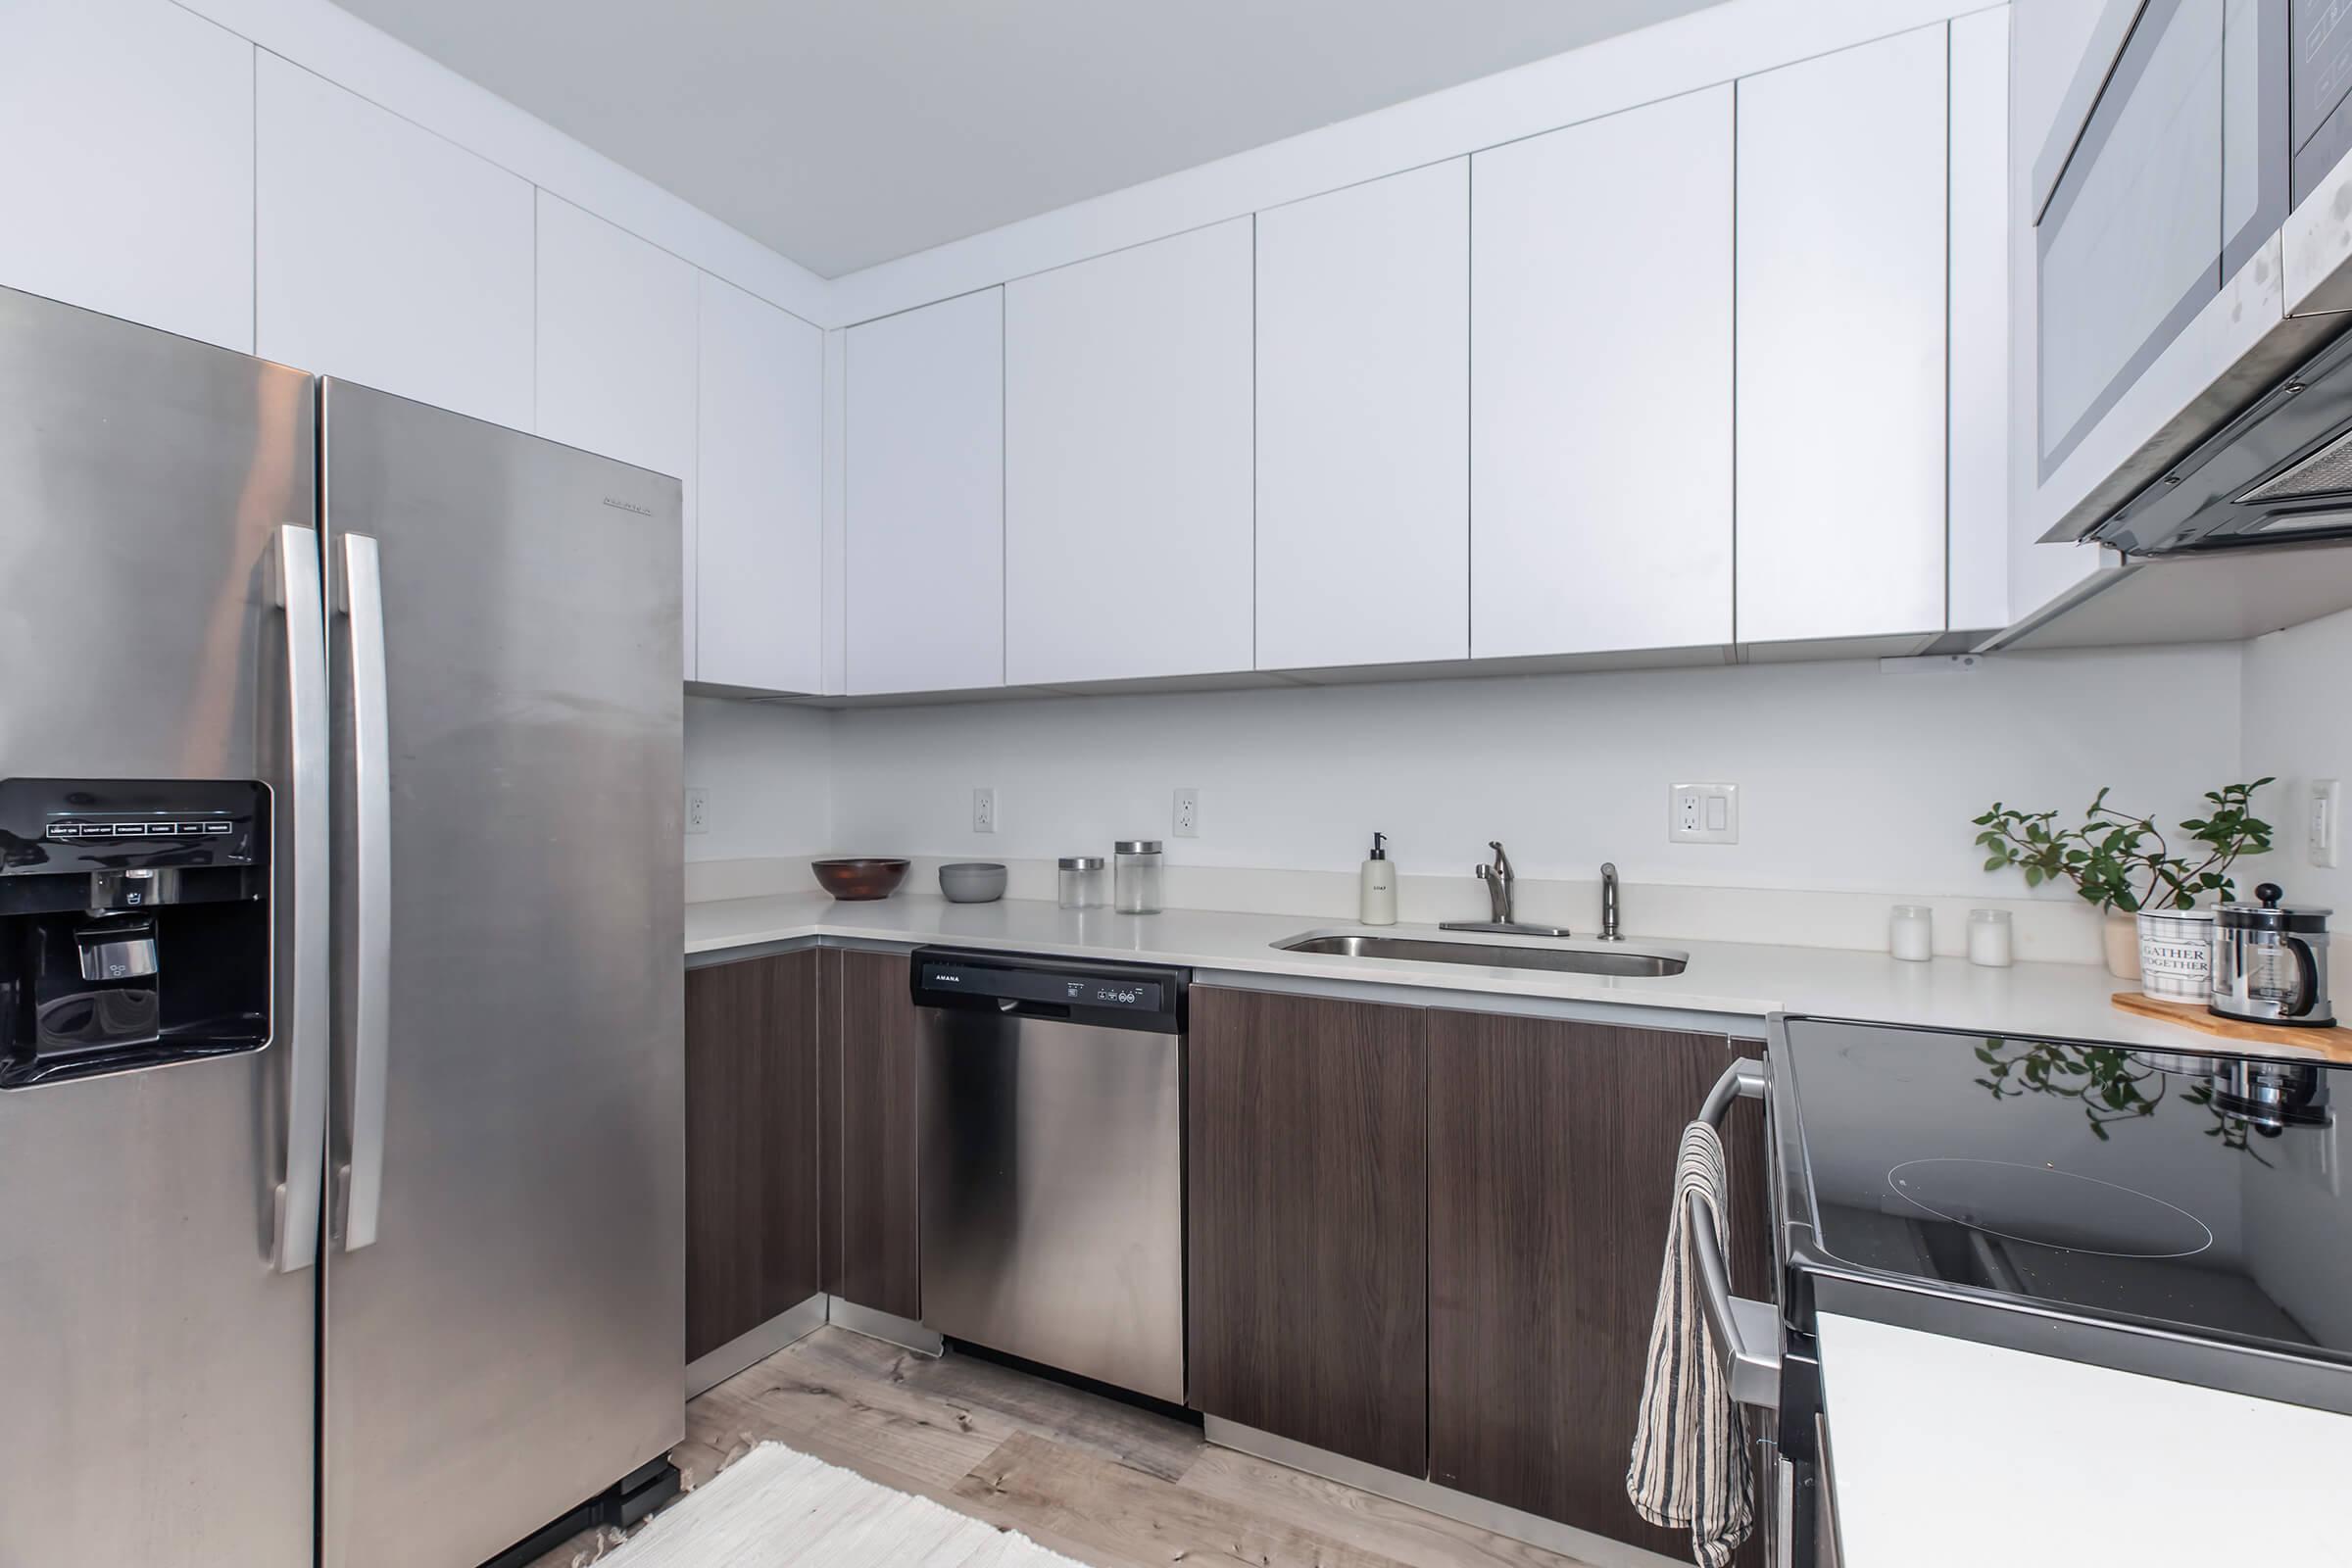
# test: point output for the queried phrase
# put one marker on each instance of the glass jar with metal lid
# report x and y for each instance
(1084, 882)
(1137, 868)
(2269, 961)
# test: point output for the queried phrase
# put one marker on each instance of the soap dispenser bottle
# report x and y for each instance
(1376, 899)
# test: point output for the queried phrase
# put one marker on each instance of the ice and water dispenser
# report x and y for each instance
(134, 924)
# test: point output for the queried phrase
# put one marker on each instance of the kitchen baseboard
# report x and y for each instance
(745, 1351)
(901, 1332)
(1537, 1531)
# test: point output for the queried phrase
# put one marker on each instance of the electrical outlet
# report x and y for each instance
(984, 810)
(1702, 813)
(2327, 796)
(698, 810)
(1187, 824)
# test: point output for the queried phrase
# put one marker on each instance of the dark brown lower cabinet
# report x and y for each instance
(873, 1221)
(1307, 1244)
(1551, 1150)
(750, 1145)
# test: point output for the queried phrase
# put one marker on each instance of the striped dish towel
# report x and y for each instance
(1689, 1463)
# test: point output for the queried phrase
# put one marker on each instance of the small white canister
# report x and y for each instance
(1911, 933)
(2175, 954)
(1989, 941)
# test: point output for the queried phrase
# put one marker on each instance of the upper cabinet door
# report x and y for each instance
(925, 498)
(1363, 388)
(1978, 499)
(1842, 369)
(1601, 385)
(616, 356)
(128, 183)
(1127, 463)
(761, 490)
(387, 255)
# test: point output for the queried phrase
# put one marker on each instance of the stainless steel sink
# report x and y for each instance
(1611, 960)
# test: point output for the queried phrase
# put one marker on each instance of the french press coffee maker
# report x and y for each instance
(2270, 962)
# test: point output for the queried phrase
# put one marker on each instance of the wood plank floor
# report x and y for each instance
(1091, 1478)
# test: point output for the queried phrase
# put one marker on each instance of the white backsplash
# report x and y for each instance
(2298, 726)
(2048, 930)
(1857, 785)
(769, 769)
(1850, 779)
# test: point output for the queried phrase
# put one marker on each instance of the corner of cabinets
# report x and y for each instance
(753, 1172)
(923, 463)
(760, 527)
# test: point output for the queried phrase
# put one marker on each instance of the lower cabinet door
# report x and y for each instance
(1308, 1229)
(1551, 1153)
(750, 1145)
(874, 1236)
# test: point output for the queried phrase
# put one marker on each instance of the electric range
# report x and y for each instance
(2180, 1215)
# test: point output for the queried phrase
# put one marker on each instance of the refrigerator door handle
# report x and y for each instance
(303, 1029)
(371, 936)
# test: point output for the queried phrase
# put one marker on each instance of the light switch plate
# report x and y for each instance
(1702, 813)
(2326, 821)
(698, 810)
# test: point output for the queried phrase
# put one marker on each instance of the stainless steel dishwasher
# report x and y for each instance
(1053, 1161)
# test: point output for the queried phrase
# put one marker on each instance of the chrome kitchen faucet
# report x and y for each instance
(1500, 881)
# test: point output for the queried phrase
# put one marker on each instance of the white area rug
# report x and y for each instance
(775, 1508)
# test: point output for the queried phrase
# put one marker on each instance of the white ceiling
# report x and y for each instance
(846, 132)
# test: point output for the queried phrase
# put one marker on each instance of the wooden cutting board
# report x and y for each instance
(2336, 1043)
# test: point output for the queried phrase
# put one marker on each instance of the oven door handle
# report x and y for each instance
(1747, 1333)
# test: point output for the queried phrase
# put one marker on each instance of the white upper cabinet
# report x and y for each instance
(387, 255)
(616, 356)
(759, 496)
(925, 498)
(1600, 431)
(1128, 462)
(1978, 503)
(1363, 367)
(1841, 326)
(126, 183)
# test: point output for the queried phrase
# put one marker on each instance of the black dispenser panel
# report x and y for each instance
(134, 924)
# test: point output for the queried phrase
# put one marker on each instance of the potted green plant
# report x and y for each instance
(2124, 865)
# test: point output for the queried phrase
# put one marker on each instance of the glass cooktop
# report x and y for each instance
(2204, 1192)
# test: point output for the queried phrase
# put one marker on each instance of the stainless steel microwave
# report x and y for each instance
(2192, 255)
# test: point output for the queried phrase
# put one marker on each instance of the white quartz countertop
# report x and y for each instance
(1951, 1454)
(1743, 980)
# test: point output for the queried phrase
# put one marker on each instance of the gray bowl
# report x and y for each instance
(972, 882)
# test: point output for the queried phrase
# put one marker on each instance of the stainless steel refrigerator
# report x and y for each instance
(340, 992)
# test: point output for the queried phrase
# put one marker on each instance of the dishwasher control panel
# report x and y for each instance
(1128, 996)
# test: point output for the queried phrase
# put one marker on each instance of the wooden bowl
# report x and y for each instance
(854, 880)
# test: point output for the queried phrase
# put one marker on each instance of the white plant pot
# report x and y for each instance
(2123, 946)
(2175, 954)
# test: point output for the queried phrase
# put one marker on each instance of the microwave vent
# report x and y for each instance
(2326, 473)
